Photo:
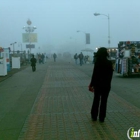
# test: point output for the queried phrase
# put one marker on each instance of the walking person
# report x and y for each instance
(33, 63)
(76, 57)
(54, 56)
(42, 58)
(101, 84)
(81, 56)
(94, 58)
(39, 58)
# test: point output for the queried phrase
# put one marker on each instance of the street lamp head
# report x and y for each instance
(78, 31)
(13, 43)
(34, 27)
(96, 14)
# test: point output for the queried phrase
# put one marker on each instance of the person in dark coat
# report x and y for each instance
(76, 57)
(81, 56)
(101, 84)
(94, 58)
(54, 56)
(33, 63)
(42, 58)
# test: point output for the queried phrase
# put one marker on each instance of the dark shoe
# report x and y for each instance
(94, 119)
(101, 120)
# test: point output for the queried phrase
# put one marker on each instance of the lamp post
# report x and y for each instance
(39, 48)
(98, 14)
(13, 46)
(80, 31)
(20, 45)
(29, 30)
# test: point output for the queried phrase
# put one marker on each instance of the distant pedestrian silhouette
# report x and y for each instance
(76, 57)
(101, 84)
(54, 57)
(81, 56)
(33, 63)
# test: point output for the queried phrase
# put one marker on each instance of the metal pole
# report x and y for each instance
(108, 31)
(13, 49)
(97, 14)
(21, 47)
(29, 38)
(85, 40)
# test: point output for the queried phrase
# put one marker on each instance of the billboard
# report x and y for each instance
(29, 37)
(30, 46)
(87, 38)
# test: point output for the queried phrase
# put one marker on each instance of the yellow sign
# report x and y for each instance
(29, 37)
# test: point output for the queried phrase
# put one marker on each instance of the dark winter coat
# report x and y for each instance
(102, 74)
(33, 61)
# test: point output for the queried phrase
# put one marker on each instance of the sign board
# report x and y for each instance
(87, 38)
(16, 62)
(30, 46)
(29, 37)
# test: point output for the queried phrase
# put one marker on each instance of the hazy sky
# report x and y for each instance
(57, 22)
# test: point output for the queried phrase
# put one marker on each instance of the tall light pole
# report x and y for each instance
(81, 31)
(98, 14)
(20, 45)
(29, 30)
(13, 46)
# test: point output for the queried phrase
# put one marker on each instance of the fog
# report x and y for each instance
(58, 21)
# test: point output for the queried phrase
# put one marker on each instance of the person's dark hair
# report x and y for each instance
(102, 53)
(32, 55)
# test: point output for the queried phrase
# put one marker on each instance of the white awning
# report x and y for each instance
(87, 50)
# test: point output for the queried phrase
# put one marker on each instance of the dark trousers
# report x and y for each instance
(99, 105)
(33, 68)
(81, 62)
